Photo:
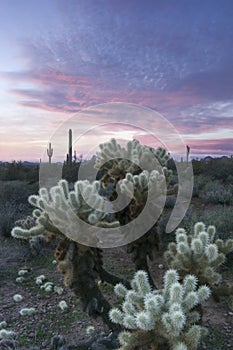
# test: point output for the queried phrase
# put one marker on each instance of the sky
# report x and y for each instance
(60, 58)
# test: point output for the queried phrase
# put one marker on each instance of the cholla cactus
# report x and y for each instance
(118, 160)
(62, 211)
(163, 316)
(141, 173)
(198, 253)
(74, 216)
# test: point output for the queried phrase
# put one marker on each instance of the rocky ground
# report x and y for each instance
(75, 326)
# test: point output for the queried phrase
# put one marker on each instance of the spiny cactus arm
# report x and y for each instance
(42, 225)
(224, 247)
(193, 336)
(19, 232)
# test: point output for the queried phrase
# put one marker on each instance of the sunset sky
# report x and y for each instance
(59, 57)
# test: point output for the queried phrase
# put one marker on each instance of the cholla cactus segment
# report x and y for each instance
(90, 330)
(166, 314)
(27, 311)
(144, 321)
(198, 254)
(58, 290)
(176, 293)
(197, 246)
(47, 287)
(211, 230)
(191, 300)
(142, 282)
(40, 279)
(3, 324)
(180, 346)
(63, 305)
(19, 279)
(170, 277)
(6, 334)
(120, 290)
(17, 298)
(199, 227)
(128, 308)
(125, 338)
(22, 272)
(211, 251)
(203, 293)
(192, 336)
(116, 316)
(130, 322)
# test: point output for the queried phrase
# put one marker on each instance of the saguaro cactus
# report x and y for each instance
(70, 148)
(187, 153)
(50, 152)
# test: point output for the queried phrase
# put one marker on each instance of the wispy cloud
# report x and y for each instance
(176, 60)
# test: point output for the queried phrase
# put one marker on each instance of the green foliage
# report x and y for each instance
(164, 316)
(217, 193)
(198, 253)
(220, 215)
(13, 203)
(216, 168)
(19, 171)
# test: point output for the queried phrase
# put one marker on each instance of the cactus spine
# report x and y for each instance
(50, 152)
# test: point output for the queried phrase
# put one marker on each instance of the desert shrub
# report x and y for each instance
(220, 216)
(9, 213)
(216, 192)
(229, 179)
(22, 171)
(13, 203)
(200, 181)
(216, 168)
(16, 191)
(222, 196)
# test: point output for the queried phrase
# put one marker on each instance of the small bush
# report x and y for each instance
(13, 203)
(9, 213)
(220, 216)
